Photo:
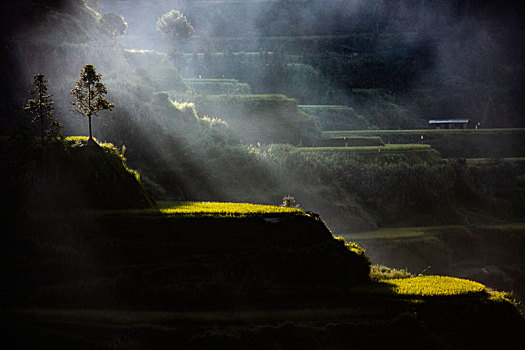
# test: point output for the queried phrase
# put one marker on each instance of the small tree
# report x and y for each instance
(175, 25)
(114, 24)
(289, 202)
(89, 94)
(54, 131)
(41, 106)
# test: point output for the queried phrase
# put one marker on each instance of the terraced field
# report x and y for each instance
(452, 143)
(490, 253)
(411, 153)
(347, 133)
(336, 117)
(369, 149)
(218, 86)
(223, 209)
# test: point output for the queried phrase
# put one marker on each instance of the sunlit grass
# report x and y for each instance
(82, 140)
(381, 273)
(223, 209)
(425, 286)
(107, 147)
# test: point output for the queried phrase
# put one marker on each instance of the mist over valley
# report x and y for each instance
(382, 143)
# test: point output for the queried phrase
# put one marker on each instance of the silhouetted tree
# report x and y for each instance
(177, 26)
(41, 106)
(174, 23)
(54, 131)
(89, 94)
(114, 24)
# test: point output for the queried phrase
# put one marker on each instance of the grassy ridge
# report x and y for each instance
(341, 133)
(453, 143)
(69, 174)
(335, 117)
(409, 153)
(265, 118)
(366, 149)
(487, 253)
(217, 86)
(195, 210)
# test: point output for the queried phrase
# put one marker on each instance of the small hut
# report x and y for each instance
(349, 51)
(454, 123)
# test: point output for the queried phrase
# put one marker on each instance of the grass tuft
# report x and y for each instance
(381, 272)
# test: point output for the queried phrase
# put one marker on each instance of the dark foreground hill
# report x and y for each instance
(154, 279)
(80, 271)
(154, 261)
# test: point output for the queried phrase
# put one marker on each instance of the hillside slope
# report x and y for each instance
(68, 174)
(147, 278)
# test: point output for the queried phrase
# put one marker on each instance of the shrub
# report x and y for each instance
(289, 202)
(381, 272)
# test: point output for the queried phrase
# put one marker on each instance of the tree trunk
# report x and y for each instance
(90, 133)
(41, 114)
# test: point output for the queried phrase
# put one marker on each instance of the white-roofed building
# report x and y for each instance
(452, 123)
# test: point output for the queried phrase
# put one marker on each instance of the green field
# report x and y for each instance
(217, 86)
(390, 153)
(337, 117)
(452, 143)
(264, 118)
(352, 141)
(371, 149)
(501, 131)
(488, 253)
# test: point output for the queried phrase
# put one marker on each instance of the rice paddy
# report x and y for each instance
(432, 286)
(223, 209)
(348, 133)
